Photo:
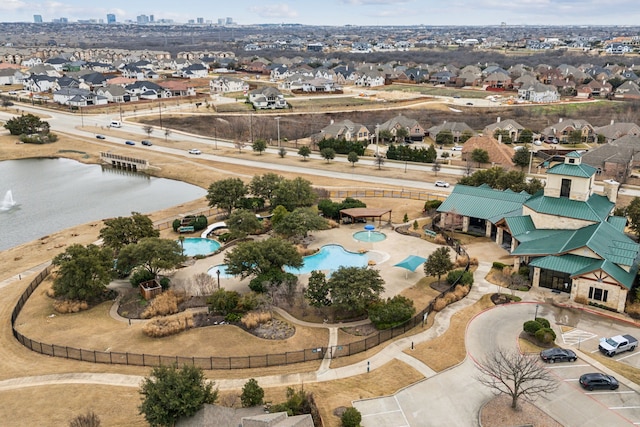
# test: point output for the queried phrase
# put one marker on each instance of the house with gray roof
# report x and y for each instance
(615, 159)
(616, 130)
(345, 129)
(510, 126)
(566, 234)
(456, 128)
(628, 90)
(538, 92)
(562, 130)
(415, 132)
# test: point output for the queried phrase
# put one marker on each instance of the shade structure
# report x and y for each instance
(411, 262)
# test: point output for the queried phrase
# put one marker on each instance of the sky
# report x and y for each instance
(339, 12)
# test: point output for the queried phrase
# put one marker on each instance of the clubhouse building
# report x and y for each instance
(566, 234)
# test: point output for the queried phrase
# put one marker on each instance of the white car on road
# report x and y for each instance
(195, 151)
(442, 184)
(456, 148)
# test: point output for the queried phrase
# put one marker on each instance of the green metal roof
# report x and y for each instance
(573, 154)
(569, 264)
(618, 222)
(626, 278)
(578, 170)
(602, 238)
(520, 225)
(482, 202)
(597, 208)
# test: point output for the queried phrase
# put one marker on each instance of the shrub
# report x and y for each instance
(392, 312)
(90, 419)
(439, 304)
(351, 418)
(165, 282)
(70, 306)
(473, 261)
(545, 335)
(164, 304)
(200, 223)
(169, 325)
(253, 319)
(524, 271)
(432, 204)
(252, 394)
(461, 291)
(439, 240)
(544, 322)
(632, 309)
(232, 318)
(465, 277)
(450, 298)
(140, 276)
(498, 265)
(175, 225)
(531, 327)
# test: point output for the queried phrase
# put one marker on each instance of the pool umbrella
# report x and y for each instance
(410, 263)
(369, 227)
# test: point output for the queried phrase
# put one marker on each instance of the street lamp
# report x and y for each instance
(160, 110)
(535, 316)
(218, 274)
(278, 122)
(377, 140)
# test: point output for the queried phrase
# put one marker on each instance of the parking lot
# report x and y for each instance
(623, 402)
(587, 341)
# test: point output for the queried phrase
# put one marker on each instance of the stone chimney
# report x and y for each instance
(498, 121)
(612, 121)
(499, 138)
(560, 120)
(611, 188)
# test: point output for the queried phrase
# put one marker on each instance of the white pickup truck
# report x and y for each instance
(617, 344)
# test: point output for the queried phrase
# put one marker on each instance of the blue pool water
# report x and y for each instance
(199, 246)
(330, 257)
(369, 236)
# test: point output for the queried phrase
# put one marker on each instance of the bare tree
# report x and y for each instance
(378, 160)
(203, 284)
(90, 419)
(148, 129)
(167, 132)
(516, 375)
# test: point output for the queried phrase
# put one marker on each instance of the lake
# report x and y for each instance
(49, 195)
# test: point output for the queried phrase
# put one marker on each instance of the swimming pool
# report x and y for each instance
(369, 236)
(329, 257)
(193, 246)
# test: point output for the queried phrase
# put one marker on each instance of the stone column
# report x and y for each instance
(535, 281)
(487, 228)
(465, 224)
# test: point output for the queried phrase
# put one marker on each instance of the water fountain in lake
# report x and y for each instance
(7, 202)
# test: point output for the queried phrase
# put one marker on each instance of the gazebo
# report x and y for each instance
(356, 213)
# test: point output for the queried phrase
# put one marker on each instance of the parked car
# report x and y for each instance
(469, 103)
(552, 355)
(195, 151)
(130, 143)
(617, 344)
(146, 142)
(442, 184)
(537, 142)
(598, 380)
(456, 148)
(101, 136)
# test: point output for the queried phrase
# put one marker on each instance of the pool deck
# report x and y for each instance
(386, 253)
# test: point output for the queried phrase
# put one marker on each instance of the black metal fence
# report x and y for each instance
(210, 363)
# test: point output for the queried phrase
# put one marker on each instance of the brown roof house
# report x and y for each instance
(509, 125)
(499, 154)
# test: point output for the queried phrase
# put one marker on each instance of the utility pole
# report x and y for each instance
(278, 122)
(160, 110)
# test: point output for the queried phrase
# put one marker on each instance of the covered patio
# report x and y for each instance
(359, 213)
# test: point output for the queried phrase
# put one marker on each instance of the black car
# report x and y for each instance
(100, 136)
(146, 142)
(598, 380)
(552, 355)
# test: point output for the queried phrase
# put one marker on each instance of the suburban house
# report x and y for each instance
(193, 71)
(221, 416)
(456, 128)
(614, 130)
(178, 87)
(562, 130)
(415, 132)
(538, 92)
(11, 76)
(628, 90)
(267, 97)
(78, 97)
(115, 93)
(509, 126)
(566, 234)
(227, 85)
(345, 129)
(615, 159)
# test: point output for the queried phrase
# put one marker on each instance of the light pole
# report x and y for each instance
(120, 107)
(218, 274)
(81, 117)
(535, 316)
(377, 139)
(278, 122)
(160, 110)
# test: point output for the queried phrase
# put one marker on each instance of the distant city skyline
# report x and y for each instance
(338, 12)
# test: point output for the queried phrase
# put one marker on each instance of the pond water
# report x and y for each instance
(49, 195)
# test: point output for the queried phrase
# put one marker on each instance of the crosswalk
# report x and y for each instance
(576, 336)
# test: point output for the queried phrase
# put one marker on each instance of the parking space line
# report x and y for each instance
(628, 356)
(609, 392)
(380, 413)
(624, 407)
(567, 366)
(406, 421)
(577, 336)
